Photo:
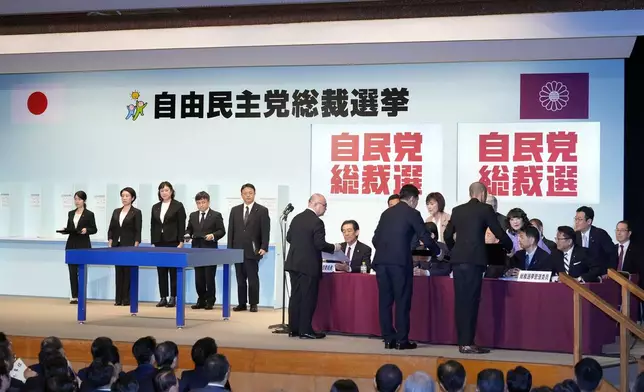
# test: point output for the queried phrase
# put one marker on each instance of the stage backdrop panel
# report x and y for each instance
(357, 167)
(215, 129)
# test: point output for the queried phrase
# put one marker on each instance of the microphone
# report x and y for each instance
(287, 210)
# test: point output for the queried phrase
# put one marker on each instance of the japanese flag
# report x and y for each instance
(37, 104)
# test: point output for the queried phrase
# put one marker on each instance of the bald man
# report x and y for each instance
(469, 261)
(306, 237)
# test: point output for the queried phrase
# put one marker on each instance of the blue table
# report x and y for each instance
(135, 257)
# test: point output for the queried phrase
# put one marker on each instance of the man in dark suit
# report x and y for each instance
(596, 240)
(575, 260)
(393, 200)
(626, 256)
(468, 256)
(356, 251)
(539, 225)
(394, 266)
(503, 221)
(249, 228)
(143, 352)
(306, 238)
(530, 257)
(205, 228)
(217, 370)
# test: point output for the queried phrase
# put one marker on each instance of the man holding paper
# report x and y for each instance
(306, 238)
(394, 266)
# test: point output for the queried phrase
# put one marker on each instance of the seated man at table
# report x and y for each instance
(356, 251)
(495, 268)
(574, 260)
(428, 265)
(530, 257)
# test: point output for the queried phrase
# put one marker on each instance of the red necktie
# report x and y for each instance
(620, 264)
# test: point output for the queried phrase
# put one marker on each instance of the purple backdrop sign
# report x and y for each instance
(554, 96)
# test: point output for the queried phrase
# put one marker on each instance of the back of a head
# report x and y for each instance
(164, 380)
(100, 342)
(408, 192)
(216, 368)
(61, 383)
(108, 354)
(588, 374)
(4, 340)
(202, 349)
(566, 386)
(478, 189)
(451, 376)
(388, 378)
(143, 350)
(344, 385)
(519, 380)
(53, 362)
(51, 342)
(166, 353)
(490, 380)
(125, 383)
(419, 382)
(100, 373)
(541, 389)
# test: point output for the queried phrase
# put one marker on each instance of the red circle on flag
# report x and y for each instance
(37, 103)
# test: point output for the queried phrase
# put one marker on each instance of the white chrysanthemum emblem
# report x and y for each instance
(554, 96)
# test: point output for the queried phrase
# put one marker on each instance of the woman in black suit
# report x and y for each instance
(167, 228)
(124, 230)
(80, 225)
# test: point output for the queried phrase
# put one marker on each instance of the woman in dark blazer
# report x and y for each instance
(124, 230)
(167, 228)
(80, 225)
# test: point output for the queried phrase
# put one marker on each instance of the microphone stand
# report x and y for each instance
(282, 328)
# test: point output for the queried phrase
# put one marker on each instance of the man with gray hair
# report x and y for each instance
(419, 382)
(306, 237)
(491, 200)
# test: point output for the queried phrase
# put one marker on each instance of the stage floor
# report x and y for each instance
(28, 316)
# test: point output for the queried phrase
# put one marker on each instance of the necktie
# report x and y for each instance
(246, 215)
(620, 264)
(527, 261)
(349, 253)
(566, 262)
(203, 218)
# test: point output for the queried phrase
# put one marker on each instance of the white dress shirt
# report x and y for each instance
(76, 219)
(122, 216)
(585, 239)
(164, 209)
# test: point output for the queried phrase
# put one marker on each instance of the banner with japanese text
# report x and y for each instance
(358, 161)
(541, 161)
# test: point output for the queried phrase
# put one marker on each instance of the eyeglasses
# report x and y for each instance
(622, 230)
(562, 238)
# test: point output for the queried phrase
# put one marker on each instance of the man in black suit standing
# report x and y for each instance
(575, 260)
(306, 238)
(357, 252)
(249, 228)
(394, 265)
(469, 223)
(205, 228)
(593, 238)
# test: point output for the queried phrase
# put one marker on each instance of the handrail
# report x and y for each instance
(623, 317)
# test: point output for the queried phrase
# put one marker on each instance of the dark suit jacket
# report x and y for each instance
(361, 253)
(252, 236)
(86, 221)
(209, 388)
(503, 221)
(144, 375)
(174, 223)
(130, 232)
(540, 261)
(632, 261)
(195, 379)
(582, 264)
(600, 246)
(435, 267)
(306, 238)
(550, 244)
(469, 222)
(393, 236)
(213, 223)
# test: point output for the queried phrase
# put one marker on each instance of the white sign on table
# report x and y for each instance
(534, 276)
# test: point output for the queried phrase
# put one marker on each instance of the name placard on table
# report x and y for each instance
(328, 267)
(534, 276)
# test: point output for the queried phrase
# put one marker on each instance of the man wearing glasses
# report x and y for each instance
(574, 260)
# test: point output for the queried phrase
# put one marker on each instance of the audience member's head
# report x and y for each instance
(388, 378)
(62, 383)
(588, 374)
(143, 350)
(490, 380)
(519, 378)
(98, 343)
(52, 342)
(202, 349)
(541, 389)
(53, 362)
(419, 382)
(566, 386)
(166, 355)
(6, 356)
(393, 200)
(344, 385)
(125, 383)
(4, 340)
(565, 238)
(166, 381)
(451, 376)
(217, 369)
(101, 374)
(516, 220)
